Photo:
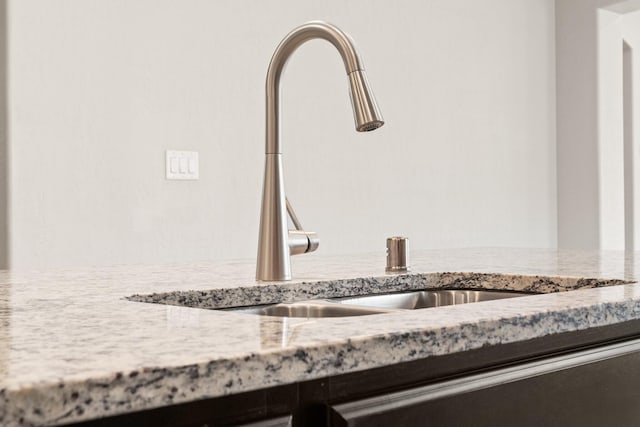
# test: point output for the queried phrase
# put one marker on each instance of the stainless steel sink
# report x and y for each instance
(312, 308)
(376, 304)
(427, 299)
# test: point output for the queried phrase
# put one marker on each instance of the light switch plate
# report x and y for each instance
(182, 164)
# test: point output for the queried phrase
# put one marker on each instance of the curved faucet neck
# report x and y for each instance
(297, 37)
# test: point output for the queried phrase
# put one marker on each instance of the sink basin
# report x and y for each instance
(312, 308)
(428, 299)
(376, 304)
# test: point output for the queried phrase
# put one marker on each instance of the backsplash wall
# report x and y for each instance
(99, 89)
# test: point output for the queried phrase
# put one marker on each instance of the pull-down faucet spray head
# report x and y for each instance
(276, 242)
(365, 110)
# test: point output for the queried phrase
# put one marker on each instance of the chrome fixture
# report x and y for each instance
(397, 255)
(276, 242)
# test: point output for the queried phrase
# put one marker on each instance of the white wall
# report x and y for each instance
(613, 29)
(630, 29)
(590, 139)
(4, 161)
(616, 232)
(99, 89)
(577, 126)
(611, 171)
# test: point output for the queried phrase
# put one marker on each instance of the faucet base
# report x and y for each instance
(273, 245)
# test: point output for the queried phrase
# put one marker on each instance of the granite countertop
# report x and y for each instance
(79, 344)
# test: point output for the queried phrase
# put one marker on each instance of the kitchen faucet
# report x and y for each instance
(276, 242)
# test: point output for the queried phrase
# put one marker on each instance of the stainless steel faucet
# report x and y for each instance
(276, 242)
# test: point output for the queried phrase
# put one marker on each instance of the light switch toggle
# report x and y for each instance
(182, 165)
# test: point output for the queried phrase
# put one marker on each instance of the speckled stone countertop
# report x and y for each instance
(80, 344)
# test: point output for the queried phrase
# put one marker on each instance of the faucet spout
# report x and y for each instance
(276, 243)
(365, 109)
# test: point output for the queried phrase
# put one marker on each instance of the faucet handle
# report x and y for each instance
(302, 242)
(314, 240)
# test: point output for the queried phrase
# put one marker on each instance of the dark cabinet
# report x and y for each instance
(274, 422)
(594, 387)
